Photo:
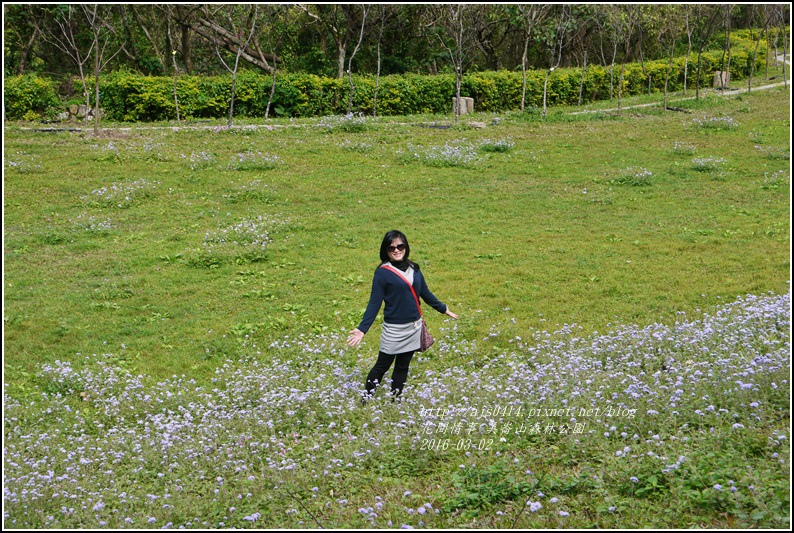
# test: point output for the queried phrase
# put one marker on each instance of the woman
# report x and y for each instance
(402, 322)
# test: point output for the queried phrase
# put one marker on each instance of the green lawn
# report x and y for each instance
(542, 233)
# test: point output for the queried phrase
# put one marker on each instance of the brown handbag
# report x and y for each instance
(427, 339)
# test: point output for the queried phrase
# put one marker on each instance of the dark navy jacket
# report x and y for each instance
(400, 307)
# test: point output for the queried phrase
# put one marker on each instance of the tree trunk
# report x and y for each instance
(23, 57)
(341, 51)
(697, 77)
(669, 70)
(457, 94)
(545, 84)
(270, 98)
(755, 54)
(524, 73)
(726, 49)
(612, 72)
(729, 45)
(176, 72)
(86, 94)
(350, 62)
(686, 59)
(766, 59)
(785, 55)
(377, 86)
(186, 59)
(231, 103)
(581, 83)
(96, 84)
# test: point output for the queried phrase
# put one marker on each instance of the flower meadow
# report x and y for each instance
(121, 194)
(691, 417)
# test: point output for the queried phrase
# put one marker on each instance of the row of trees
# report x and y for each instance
(64, 40)
(324, 39)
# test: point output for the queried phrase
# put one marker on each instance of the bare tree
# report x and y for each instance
(531, 15)
(671, 29)
(102, 34)
(628, 22)
(176, 75)
(384, 14)
(448, 24)
(766, 16)
(583, 29)
(66, 39)
(364, 10)
(690, 28)
(726, 72)
(241, 28)
(782, 19)
(706, 26)
(607, 18)
(559, 36)
(274, 37)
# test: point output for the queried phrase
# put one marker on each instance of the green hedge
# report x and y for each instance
(130, 97)
(30, 97)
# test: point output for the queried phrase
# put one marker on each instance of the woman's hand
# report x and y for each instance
(355, 337)
(453, 315)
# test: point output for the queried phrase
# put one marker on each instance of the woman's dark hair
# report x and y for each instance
(389, 238)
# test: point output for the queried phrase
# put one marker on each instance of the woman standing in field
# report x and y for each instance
(402, 320)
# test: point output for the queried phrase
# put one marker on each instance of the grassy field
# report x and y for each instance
(177, 298)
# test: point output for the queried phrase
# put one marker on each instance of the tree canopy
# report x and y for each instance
(156, 39)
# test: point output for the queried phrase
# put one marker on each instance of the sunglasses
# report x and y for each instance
(397, 248)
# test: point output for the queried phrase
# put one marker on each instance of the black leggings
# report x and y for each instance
(398, 376)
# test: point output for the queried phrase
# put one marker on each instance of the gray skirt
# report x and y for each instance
(401, 338)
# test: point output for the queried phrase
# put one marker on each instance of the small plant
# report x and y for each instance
(451, 154)
(500, 145)
(254, 190)
(249, 232)
(153, 152)
(23, 163)
(107, 152)
(350, 123)
(121, 195)
(633, 176)
(683, 148)
(201, 160)
(350, 146)
(775, 154)
(254, 161)
(715, 123)
(708, 164)
(775, 181)
(243, 242)
(93, 224)
(31, 116)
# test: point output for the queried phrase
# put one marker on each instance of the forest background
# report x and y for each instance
(331, 57)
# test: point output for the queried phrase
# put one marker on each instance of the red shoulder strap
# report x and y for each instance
(399, 275)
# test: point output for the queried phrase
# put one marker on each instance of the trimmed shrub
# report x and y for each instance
(130, 97)
(30, 97)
